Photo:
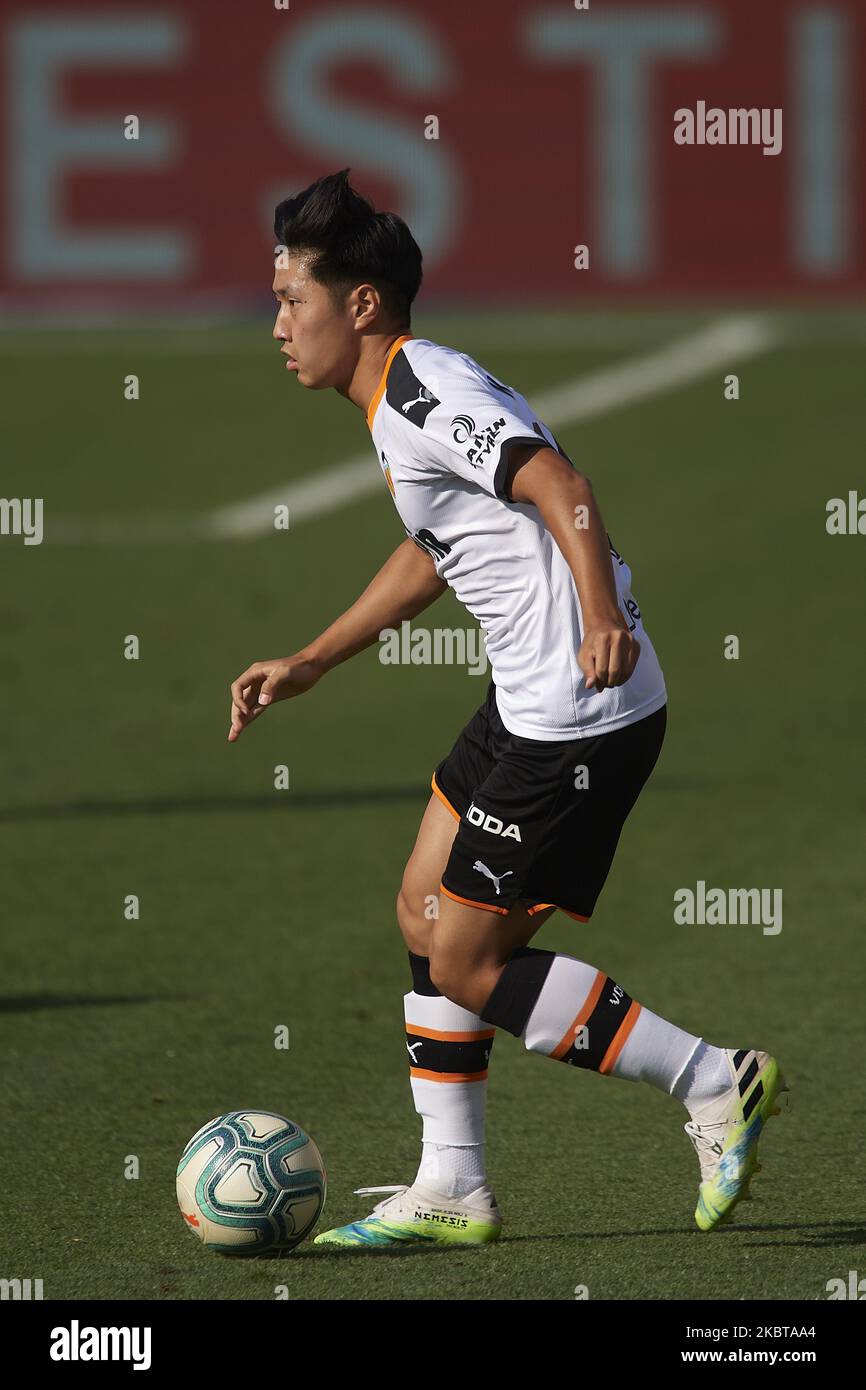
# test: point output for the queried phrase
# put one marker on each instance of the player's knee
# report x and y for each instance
(450, 975)
(414, 925)
(442, 973)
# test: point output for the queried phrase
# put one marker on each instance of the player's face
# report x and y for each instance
(316, 338)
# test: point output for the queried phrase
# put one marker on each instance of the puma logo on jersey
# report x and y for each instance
(426, 397)
(493, 824)
(407, 394)
(496, 878)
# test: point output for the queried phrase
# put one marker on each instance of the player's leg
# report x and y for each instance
(449, 1048)
(448, 1045)
(548, 822)
(575, 1013)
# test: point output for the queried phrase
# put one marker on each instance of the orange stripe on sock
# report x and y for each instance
(468, 902)
(448, 1075)
(449, 1037)
(619, 1039)
(586, 1009)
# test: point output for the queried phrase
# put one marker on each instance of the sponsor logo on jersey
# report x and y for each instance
(483, 441)
(438, 549)
(462, 426)
(493, 824)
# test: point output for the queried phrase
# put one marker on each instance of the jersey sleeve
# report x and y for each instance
(474, 428)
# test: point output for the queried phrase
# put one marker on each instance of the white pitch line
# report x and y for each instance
(687, 359)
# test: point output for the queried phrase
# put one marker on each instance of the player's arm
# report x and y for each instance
(406, 584)
(564, 497)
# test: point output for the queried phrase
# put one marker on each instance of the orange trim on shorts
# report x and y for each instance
(586, 1009)
(468, 902)
(380, 389)
(448, 1075)
(539, 907)
(449, 1037)
(620, 1038)
(442, 797)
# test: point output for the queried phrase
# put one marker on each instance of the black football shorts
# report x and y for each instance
(539, 820)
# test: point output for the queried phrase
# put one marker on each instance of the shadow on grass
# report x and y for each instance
(32, 1003)
(276, 801)
(827, 1233)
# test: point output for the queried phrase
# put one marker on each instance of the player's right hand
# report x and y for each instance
(264, 683)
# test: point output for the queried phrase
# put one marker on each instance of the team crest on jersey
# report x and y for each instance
(406, 394)
(386, 469)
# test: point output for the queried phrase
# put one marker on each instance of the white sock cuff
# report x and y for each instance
(452, 1112)
(563, 995)
(435, 1011)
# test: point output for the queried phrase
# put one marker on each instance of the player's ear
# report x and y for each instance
(367, 303)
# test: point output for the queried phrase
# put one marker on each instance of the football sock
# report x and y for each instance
(706, 1077)
(577, 1014)
(449, 1049)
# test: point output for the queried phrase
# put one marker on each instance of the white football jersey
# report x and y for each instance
(443, 428)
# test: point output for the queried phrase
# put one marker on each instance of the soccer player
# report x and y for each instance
(527, 808)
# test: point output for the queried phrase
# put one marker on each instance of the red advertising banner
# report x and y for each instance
(706, 149)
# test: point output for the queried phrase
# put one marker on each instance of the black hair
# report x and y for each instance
(354, 243)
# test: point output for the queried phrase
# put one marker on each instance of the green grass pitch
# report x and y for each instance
(261, 908)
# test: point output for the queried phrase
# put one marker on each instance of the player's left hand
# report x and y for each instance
(608, 655)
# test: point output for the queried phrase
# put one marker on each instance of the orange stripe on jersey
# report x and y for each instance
(442, 797)
(380, 389)
(448, 1075)
(419, 1032)
(588, 1005)
(468, 902)
(620, 1038)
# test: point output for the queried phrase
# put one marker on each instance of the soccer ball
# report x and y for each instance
(251, 1182)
